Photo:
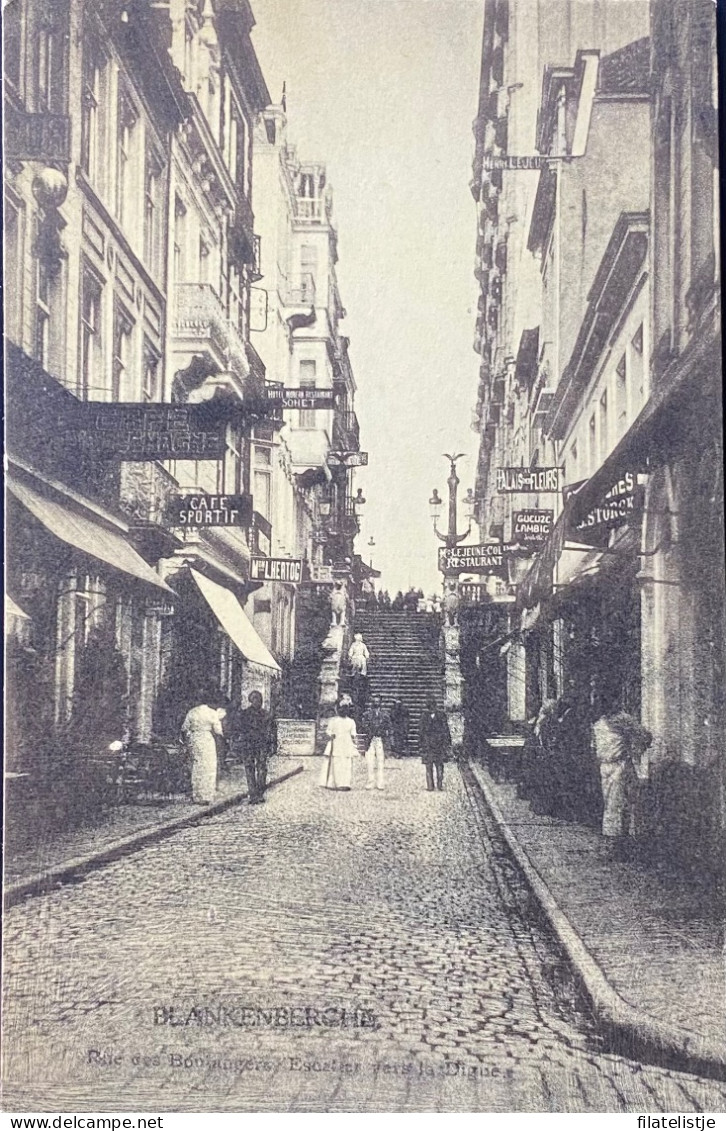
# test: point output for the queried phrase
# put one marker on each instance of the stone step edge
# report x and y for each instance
(637, 1029)
(67, 869)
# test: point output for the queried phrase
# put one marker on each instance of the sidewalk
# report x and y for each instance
(646, 946)
(120, 830)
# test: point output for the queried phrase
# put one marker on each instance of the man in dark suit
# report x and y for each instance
(255, 739)
(435, 743)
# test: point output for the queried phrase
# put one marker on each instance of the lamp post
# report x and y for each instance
(371, 546)
(452, 538)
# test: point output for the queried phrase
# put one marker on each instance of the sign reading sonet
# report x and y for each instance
(304, 398)
(487, 557)
(529, 480)
(212, 510)
(276, 569)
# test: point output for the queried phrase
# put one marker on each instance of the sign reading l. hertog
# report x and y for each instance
(301, 398)
(529, 480)
(486, 558)
(530, 528)
(145, 431)
(276, 569)
(620, 505)
(211, 510)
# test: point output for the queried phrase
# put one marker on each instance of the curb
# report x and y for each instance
(80, 865)
(633, 1031)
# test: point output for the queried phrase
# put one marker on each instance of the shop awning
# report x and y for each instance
(235, 622)
(85, 533)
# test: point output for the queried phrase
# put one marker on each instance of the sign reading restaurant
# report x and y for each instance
(530, 528)
(211, 510)
(486, 558)
(529, 480)
(305, 399)
(276, 569)
(145, 431)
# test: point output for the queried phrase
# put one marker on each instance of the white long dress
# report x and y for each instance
(199, 729)
(337, 771)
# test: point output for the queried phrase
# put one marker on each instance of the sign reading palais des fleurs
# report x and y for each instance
(529, 480)
(276, 569)
(305, 399)
(621, 504)
(211, 510)
(530, 528)
(145, 431)
(486, 558)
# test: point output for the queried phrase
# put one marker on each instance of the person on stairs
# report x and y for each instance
(434, 743)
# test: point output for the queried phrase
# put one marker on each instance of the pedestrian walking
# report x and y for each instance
(359, 655)
(397, 605)
(341, 747)
(377, 726)
(451, 604)
(337, 604)
(399, 728)
(200, 730)
(255, 737)
(620, 742)
(435, 743)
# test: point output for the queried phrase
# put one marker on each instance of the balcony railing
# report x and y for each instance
(201, 319)
(145, 492)
(313, 210)
(300, 291)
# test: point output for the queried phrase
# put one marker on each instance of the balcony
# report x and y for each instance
(346, 432)
(201, 325)
(312, 210)
(145, 492)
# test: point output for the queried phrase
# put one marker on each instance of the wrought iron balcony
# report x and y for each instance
(201, 321)
(145, 493)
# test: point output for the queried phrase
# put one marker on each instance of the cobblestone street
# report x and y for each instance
(323, 952)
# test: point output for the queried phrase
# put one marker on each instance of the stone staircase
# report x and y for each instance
(405, 662)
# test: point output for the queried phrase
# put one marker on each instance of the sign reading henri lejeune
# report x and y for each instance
(486, 558)
(211, 510)
(530, 528)
(146, 431)
(529, 480)
(276, 569)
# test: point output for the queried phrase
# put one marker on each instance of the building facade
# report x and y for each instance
(585, 303)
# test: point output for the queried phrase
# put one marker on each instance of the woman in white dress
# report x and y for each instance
(337, 771)
(200, 730)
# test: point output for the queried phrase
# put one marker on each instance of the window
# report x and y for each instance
(637, 369)
(125, 130)
(308, 270)
(237, 149)
(232, 470)
(123, 327)
(14, 230)
(13, 43)
(152, 212)
(93, 85)
(151, 390)
(91, 360)
(180, 234)
(604, 435)
(621, 393)
(262, 489)
(42, 315)
(204, 260)
(307, 381)
(593, 443)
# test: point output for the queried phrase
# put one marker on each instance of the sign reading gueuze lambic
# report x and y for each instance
(145, 431)
(486, 558)
(305, 399)
(276, 569)
(529, 480)
(620, 505)
(211, 510)
(530, 528)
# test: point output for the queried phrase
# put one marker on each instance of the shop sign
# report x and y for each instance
(295, 738)
(509, 161)
(486, 558)
(322, 574)
(145, 432)
(529, 480)
(276, 569)
(305, 399)
(622, 503)
(211, 510)
(348, 459)
(531, 528)
(37, 137)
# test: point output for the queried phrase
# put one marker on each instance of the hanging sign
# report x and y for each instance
(529, 480)
(533, 161)
(211, 510)
(126, 431)
(530, 528)
(304, 399)
(622, 504)
(348, 459)
(486, 558)
(276, 569)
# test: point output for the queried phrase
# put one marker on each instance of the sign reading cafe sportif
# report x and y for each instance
(487, 558)
(529, 480)
(211, 510)
(276, 569)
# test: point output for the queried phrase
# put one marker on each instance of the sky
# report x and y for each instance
(384, 92)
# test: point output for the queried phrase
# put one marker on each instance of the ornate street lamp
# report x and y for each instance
(452, 538)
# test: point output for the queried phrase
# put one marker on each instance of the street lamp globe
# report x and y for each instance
(435, 505)
(469, 505)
